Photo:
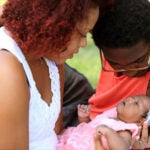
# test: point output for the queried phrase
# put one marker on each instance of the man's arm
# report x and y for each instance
(116, 140)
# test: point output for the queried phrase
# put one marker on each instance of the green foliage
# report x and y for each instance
(87, 61)
(2, 2)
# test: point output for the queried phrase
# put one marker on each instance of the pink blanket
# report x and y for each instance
(81, 137)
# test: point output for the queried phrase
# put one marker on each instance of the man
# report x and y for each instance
(122, 35)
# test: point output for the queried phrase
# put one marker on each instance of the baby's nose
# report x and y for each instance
(130, 100)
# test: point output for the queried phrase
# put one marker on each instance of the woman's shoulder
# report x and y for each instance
(12, 75)
(9, 62)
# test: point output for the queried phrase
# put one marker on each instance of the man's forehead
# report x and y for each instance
(129, 53)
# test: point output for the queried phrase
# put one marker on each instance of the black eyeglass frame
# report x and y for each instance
(122, 70)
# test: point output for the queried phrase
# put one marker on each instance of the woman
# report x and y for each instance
(36, 39)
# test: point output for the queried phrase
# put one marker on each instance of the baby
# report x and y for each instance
(126, 119)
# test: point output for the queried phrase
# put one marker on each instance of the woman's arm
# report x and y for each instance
(59, 123)
(14, 104)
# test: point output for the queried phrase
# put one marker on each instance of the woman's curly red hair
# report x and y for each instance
(43, 26)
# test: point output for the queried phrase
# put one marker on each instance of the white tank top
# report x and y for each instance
(42, 118)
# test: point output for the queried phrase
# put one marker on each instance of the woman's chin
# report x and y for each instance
(70, 56)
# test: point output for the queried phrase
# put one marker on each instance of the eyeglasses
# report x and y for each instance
(122, 70)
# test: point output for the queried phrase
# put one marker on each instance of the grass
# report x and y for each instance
(87, 61)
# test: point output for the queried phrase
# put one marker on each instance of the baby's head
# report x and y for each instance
(134, 109)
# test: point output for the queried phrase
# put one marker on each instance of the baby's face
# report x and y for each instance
(132, 109)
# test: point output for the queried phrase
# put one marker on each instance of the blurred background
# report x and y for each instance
(87, 61)
(2, 2)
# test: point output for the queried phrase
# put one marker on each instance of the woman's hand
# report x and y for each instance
(144, 140)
